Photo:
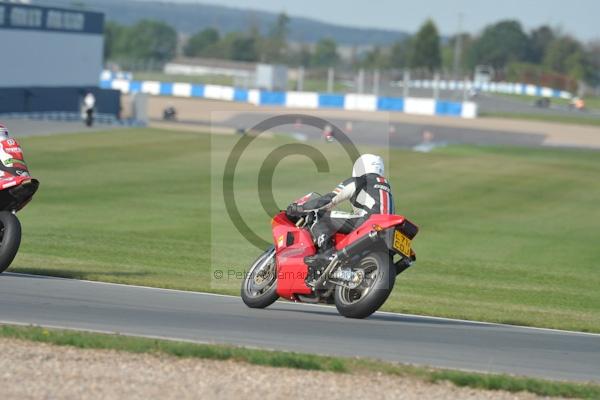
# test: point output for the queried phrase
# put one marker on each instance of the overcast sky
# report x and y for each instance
(578, 17)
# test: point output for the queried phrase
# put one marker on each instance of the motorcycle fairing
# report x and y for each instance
(16, 185)
(381, 221)
(292, 244)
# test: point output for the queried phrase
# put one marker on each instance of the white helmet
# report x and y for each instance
(368, 164)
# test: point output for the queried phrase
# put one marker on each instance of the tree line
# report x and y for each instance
(505, 46)
(157, 41)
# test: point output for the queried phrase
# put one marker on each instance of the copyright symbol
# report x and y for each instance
(218, 274)
(265, 178)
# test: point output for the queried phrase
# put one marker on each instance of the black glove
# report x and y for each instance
(295, 210)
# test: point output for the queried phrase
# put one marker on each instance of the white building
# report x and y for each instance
(49, 46)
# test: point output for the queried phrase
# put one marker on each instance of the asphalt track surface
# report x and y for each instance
(400, 135)
(134, 310)
(20, 127)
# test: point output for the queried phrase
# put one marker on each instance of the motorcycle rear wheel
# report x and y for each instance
(10, 238)
(259, 287)
(378, 282)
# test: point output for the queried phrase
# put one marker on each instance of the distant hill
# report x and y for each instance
(190, 18)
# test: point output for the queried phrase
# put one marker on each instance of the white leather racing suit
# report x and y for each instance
(369, 194)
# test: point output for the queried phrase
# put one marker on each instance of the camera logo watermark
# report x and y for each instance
(272, 162)
(267, 169)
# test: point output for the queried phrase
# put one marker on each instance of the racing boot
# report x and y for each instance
(317, 263)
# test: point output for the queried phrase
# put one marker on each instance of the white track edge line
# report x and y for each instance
(318, 305)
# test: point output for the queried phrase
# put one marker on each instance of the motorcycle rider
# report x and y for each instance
(89, 102)
(368, 192)
(11, 156)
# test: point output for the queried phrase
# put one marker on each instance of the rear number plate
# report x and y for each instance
(401, 243)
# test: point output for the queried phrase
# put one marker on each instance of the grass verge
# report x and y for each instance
(313, 85)
(87, 340)
(507, 235)
(199, 79)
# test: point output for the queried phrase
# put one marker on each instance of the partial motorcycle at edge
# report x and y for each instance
(17, 188)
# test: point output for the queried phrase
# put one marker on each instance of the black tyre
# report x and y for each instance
(10, 238)
(259, 288)
(379, 275)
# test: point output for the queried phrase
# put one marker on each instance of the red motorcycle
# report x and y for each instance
(17, 188)
(328, 134)
(358, 279)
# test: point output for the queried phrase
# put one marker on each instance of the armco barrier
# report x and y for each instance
(491, 87)
(100, 118)
(57, 99)
(310, 100)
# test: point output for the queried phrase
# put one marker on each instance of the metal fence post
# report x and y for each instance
(360, 81)
(406, 83)
(300, 82)
(330, 77)
(436, 86)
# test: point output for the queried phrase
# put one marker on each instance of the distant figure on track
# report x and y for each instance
(170, 114)
(89, 102)
(577, 103)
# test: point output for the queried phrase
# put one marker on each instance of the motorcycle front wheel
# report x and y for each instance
(259, 287)
(379, 276)
(10, 238)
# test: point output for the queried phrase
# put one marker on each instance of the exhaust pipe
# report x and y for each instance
(347, 253)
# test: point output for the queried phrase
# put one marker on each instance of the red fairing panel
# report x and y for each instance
(12, 147)
(12, 155)
(10, 181)
(383, 220)
(291, 269)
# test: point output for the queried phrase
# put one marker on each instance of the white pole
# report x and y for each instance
(458, 48)
(300, 83)
(330, 77)
(361, 81)
(376, 82)
(436, 85)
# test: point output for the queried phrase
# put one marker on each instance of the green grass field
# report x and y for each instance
(507, 234)
(314, 85)
(203, 79)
